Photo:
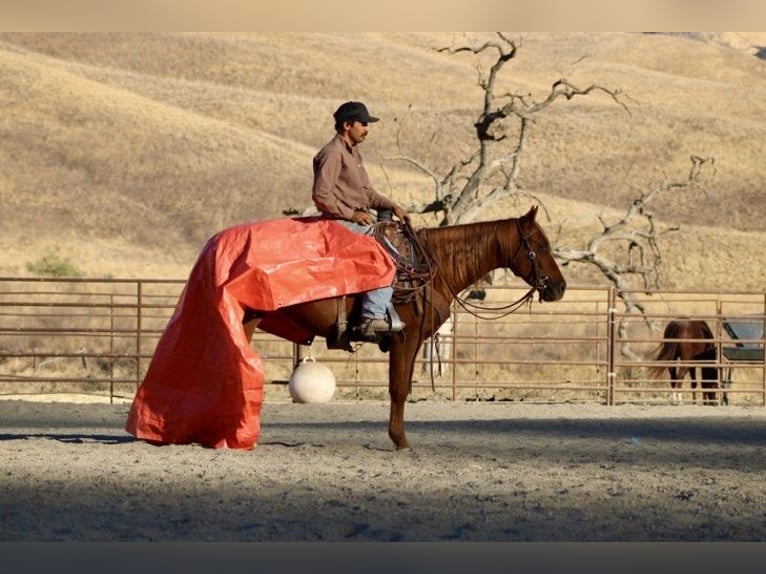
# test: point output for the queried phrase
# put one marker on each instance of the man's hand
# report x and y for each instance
(362, 218)
(401, 214)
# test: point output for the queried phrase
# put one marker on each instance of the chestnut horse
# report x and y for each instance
(458, 257)
(686, 342)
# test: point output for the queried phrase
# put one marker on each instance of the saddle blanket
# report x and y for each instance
(205, 382)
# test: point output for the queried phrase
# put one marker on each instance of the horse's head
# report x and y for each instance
(533, 259)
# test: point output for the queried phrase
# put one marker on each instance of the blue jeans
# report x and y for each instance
(373, 302)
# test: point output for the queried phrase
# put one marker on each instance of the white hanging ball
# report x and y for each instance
(311, 382)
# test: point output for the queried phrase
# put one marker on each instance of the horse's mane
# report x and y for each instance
(466, 252)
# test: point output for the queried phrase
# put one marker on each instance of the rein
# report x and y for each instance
(423, 274)
(474, 309)
(417, 269)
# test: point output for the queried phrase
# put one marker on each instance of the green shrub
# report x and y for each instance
(54, 266)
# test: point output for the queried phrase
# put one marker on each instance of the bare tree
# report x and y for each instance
(492, 171)
(627, 251)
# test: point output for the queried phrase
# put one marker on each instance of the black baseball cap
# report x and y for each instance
(353, 112)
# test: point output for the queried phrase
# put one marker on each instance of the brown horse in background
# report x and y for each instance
(686, 342)
(458, 256)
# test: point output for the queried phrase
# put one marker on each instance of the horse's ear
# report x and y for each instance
(531, 214)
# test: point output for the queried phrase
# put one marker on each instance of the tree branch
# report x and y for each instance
(626, 251)
(637, 233)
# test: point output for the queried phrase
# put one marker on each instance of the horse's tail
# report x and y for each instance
(668, 351)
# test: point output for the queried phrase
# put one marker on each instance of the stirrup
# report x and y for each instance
(394, 321)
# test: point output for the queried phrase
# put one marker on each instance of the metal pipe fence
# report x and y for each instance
(97, 337)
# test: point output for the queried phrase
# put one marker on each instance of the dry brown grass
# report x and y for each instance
(125, 152)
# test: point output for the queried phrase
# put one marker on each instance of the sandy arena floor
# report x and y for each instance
(477, 472)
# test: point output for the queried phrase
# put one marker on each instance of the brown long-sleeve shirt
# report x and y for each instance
(341, 184)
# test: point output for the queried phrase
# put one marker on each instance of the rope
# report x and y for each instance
(420, 268)
(414, 269)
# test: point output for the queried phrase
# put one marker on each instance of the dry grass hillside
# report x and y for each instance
(123, 153)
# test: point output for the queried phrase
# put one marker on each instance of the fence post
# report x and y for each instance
(763, 346)
(111, 349)
(720, 397)
(454, 315)
(139, 327)
(610, 347)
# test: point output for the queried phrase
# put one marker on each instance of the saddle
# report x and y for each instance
(412, 270)
(412, 274)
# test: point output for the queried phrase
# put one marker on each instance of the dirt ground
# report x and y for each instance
(477, 472)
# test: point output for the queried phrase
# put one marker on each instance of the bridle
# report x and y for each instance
(537, 281)
(422, 274)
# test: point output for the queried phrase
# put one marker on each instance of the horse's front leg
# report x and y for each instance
(400, 367)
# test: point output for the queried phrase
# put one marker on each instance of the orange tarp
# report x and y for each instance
(205, 382)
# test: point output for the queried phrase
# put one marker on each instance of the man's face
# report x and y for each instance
(357, 131)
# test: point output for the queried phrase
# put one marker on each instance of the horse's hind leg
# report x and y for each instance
(250, 325)
(675, 383)
(693, 375)
(677, 397)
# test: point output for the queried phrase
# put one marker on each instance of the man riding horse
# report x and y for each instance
(342, 191)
